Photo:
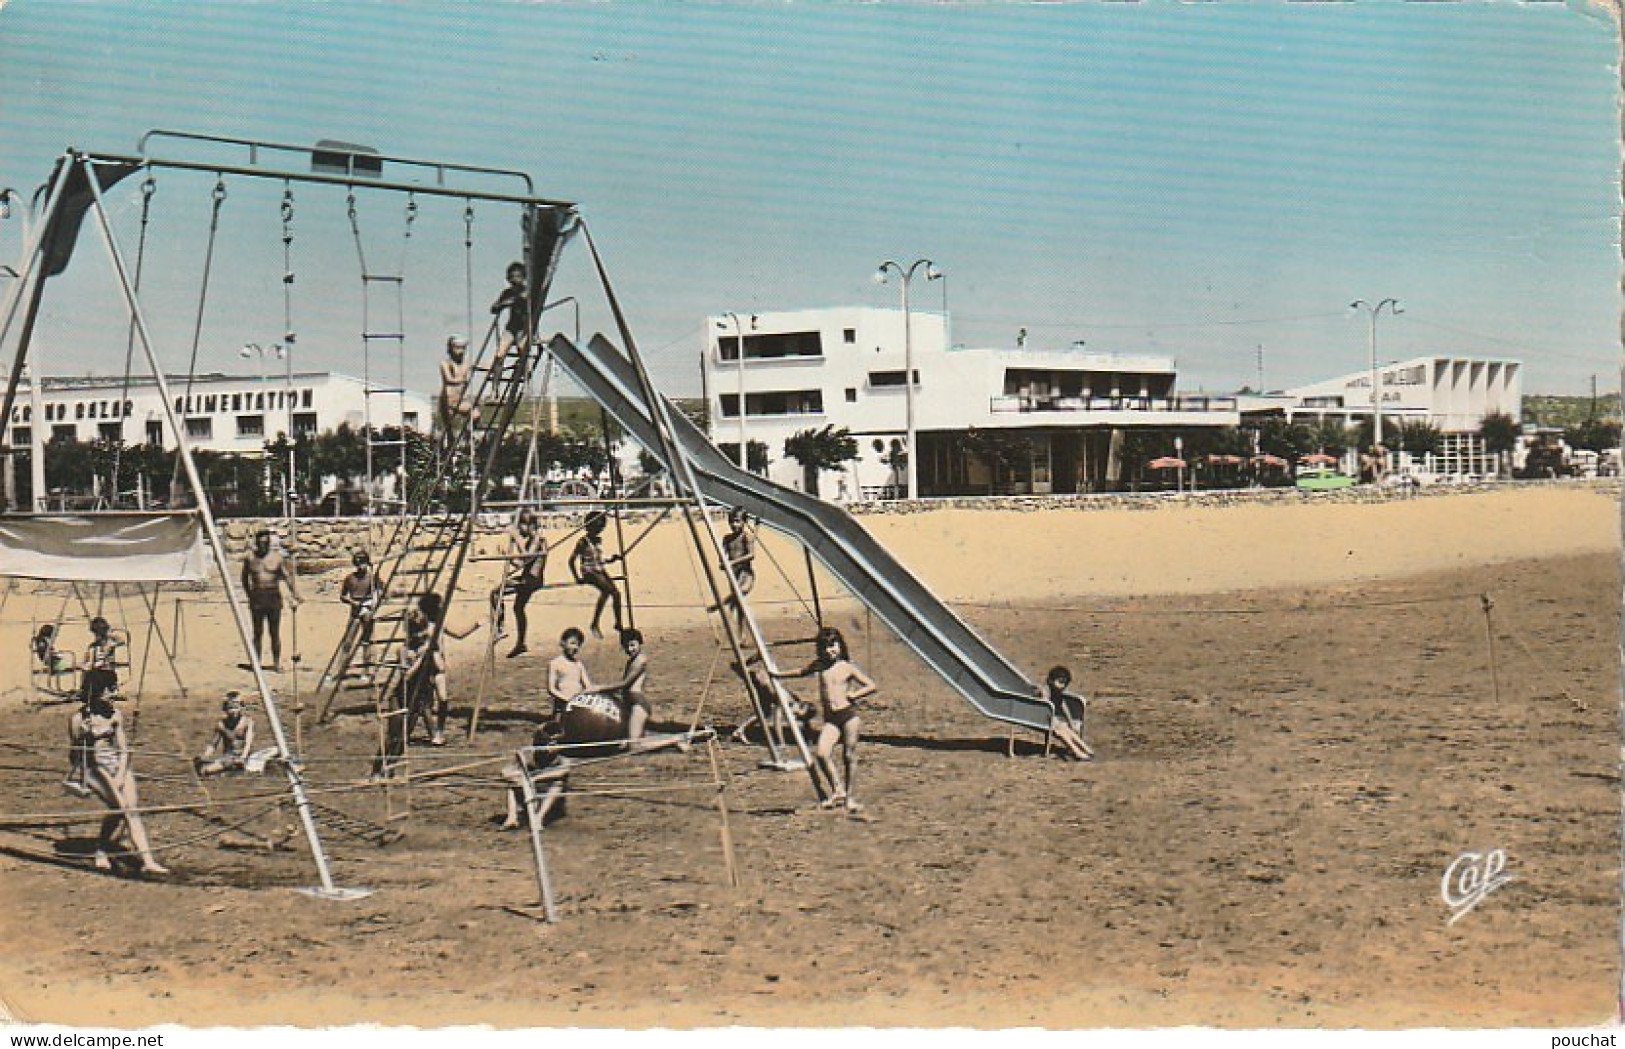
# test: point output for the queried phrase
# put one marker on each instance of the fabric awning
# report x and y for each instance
(104, 547)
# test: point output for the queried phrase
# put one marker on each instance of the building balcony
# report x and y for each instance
(1077, 405)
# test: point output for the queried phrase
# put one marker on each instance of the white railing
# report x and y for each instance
(1186, 403)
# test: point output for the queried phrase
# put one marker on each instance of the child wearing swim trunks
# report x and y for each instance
(841, 684)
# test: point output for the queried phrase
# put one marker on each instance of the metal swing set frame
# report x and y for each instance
(77, 186)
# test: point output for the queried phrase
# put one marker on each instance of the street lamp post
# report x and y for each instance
(1376, 395)
(283, 353)
(739, 349)
(908, 360)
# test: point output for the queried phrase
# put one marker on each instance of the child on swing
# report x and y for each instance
(51, 660)
(589, 566)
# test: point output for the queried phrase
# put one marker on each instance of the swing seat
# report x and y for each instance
(47, 670)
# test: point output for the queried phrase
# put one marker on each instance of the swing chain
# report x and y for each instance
(219, 194)
(148, 188)
(468, 225)
(411, 212)
(287, 234)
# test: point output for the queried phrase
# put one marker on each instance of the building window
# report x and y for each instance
(304, 398)
(879, 379)
(250, 426)
(236, 402)
(21, 435)
(78, 409)
(209, 404)
(304, 424)
(110, 431)
(155, 432)
(775, 402)
(849, 336)
(851, 395)
(772, 347)
(129, 406)
(200, 428)
(65, 432)
(27, 412)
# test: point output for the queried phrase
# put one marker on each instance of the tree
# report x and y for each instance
(1594, 434)
(1419, 438)
(756, 456)
(1286, 440)
(818, 450)
(1000, 450)
(1330, 436)
(1225, 440)
(1500, 435)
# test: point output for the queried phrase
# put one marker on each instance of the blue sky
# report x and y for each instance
(1198, 181)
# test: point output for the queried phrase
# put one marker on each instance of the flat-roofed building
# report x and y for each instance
(1450, 393)
(221, 413)
(1054, 410)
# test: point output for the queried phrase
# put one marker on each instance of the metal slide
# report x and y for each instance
(973, 667)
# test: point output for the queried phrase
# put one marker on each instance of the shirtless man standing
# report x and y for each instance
(265, 572)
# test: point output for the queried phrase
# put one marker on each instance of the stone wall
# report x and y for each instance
(1219, 497)
(322, 543)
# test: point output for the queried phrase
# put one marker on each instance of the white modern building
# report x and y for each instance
(1451, 394)
(844, 367)
(1071, 409)
(221, 413)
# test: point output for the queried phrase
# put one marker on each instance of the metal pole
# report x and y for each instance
(290, 498)
(739, 350)
(909, 435)
(1376, 395)
(267, 697)
(36, 438)
(908, 391)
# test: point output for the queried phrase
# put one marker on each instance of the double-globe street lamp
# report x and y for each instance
(739, 349)
(1371, 311)
(282, 353)
(907, 273)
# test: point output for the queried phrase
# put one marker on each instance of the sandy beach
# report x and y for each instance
(1303, 713)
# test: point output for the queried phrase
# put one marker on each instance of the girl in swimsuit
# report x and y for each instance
(101, 661)
(101, 752)
(424, 677)
(841, 684)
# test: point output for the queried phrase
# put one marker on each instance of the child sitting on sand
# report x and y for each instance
(232, 742)
(1067, 713)
(548, 772)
